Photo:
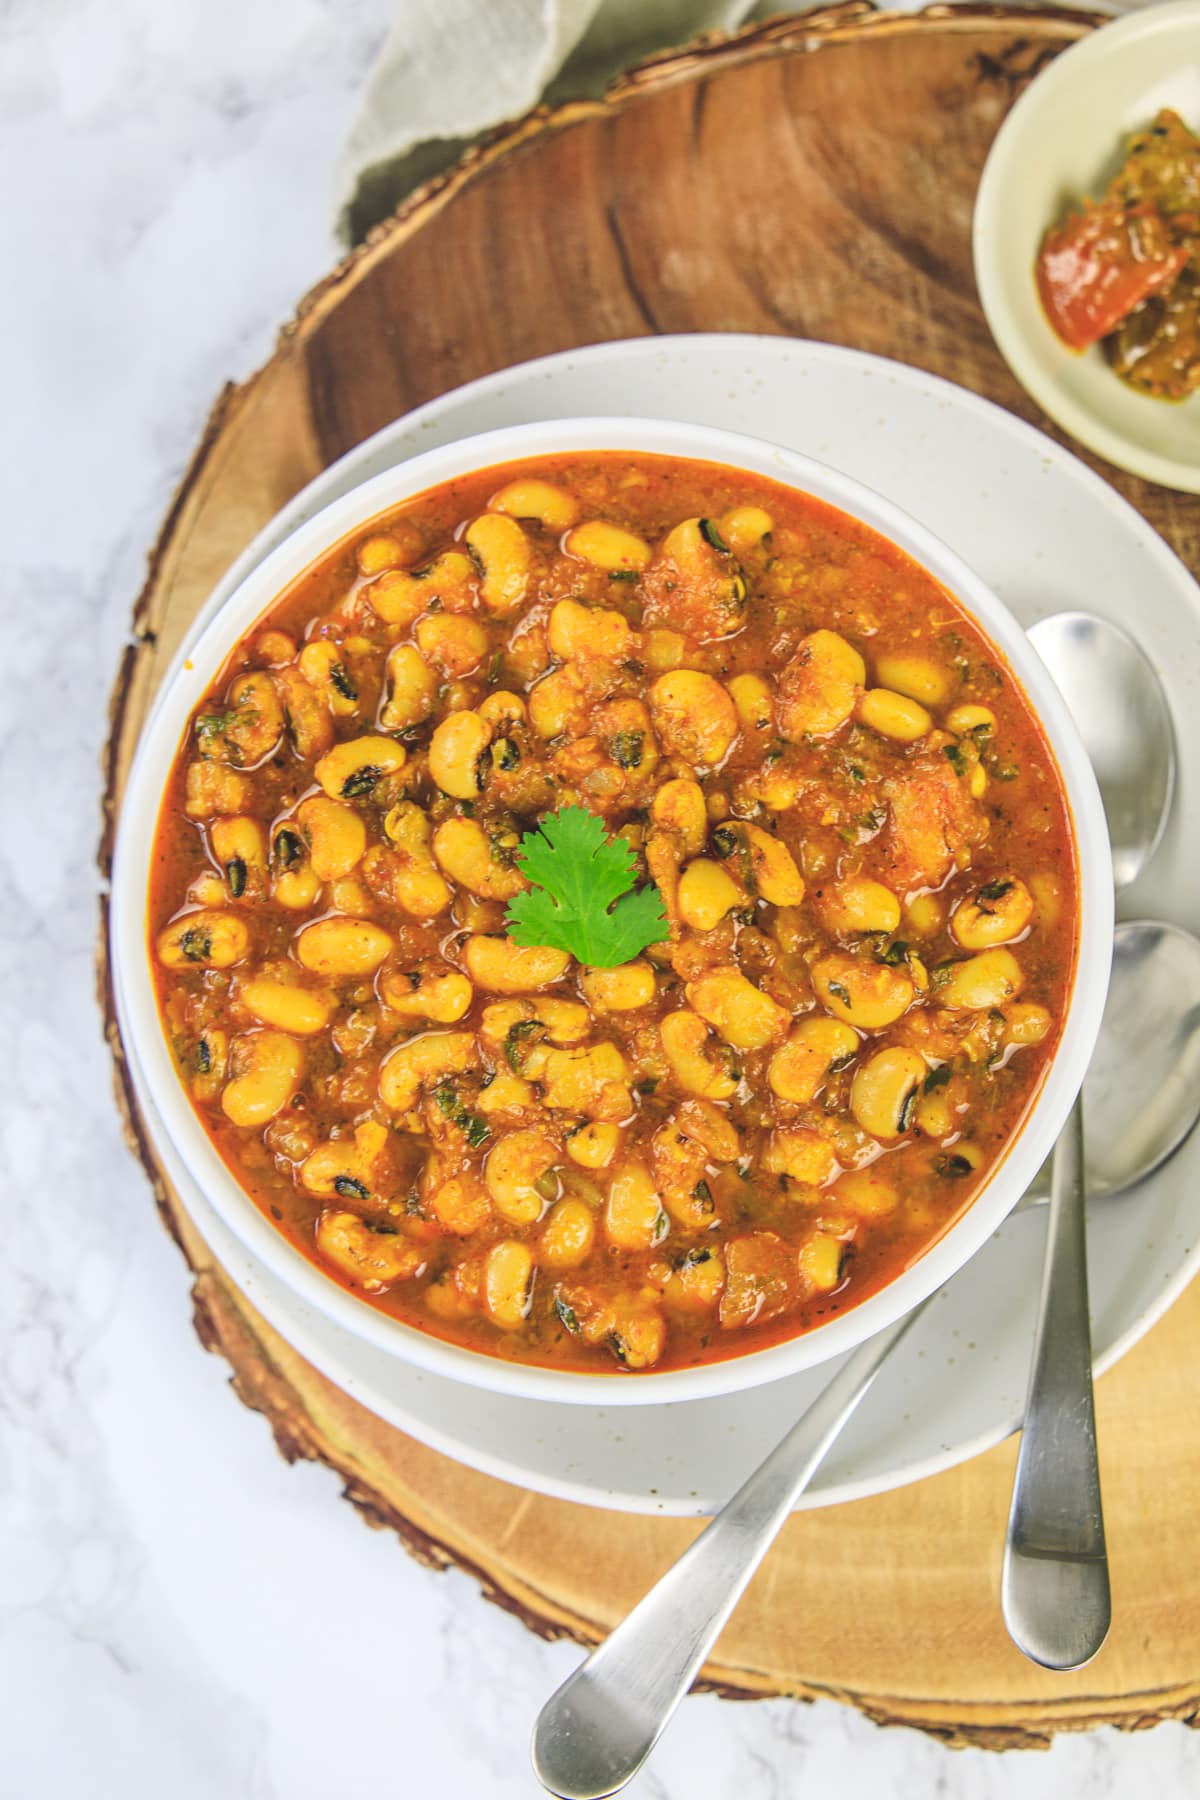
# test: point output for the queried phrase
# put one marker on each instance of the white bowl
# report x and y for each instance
(1061, 141)
(186, 684)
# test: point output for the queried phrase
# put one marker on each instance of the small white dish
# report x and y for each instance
(188, 680)
(1003, 496)
(1063, 141)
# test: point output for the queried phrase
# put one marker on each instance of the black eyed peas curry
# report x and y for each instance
(847, 843)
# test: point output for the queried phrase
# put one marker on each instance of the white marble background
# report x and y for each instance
(181, 1614)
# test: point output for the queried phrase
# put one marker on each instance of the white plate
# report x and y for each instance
(1062, 141)
(1047, 535)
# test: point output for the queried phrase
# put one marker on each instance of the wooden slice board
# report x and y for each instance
(814, 176)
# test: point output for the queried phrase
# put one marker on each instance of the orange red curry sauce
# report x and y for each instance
(861, 840)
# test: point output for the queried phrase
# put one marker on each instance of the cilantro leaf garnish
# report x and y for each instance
(582, 900)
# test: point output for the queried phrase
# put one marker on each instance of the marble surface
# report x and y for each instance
(180, 1612)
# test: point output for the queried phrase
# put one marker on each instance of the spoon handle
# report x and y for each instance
(1054, 1587)
(595, 1732)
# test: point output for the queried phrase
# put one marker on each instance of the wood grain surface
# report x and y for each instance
(814, 176)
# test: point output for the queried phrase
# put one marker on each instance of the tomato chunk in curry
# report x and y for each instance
(863, 850)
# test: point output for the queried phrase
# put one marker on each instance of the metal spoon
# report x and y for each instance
(1142, 1091)
(597, 1730)
(595, 1733)
(1054, 1585)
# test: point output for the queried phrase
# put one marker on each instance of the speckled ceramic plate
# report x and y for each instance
(1047, 535)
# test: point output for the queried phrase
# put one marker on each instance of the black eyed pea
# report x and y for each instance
(265, 1067)
(505, 556)
(512, 1027)
(894, 716)
(594, 1145)
(678, 807)
(588, 1078)
(804, 1155)
(335, 835)
(208, 889)
(700, 1065)
(294, 881)
(550, 506)
(623, 989)
(285, 1005)
(308, 718)
(745, 527)
(819, 688)
(373, 1257)
(397, 548)
(989, 979)
(517, 1176)
(348, 895)
(568, 1235)
(636, 1332)
(696, 1282)
(916, 677)
(211, 788)
(321, 665)
(431, 990)
(206, 939)
(345, 1165)
(693, 716)
(580, 633)
(459, 1203)
(456, 750)
(706, 571)
(273, 648)
(607, 546)
(634, 1218)
(706, 893)
(398, 597)
(556, 702)
(508, 1283)
(1047, 892)
(858, 904)
(937, 1113)
(249, 726)
(773, 868)
(959, 1158)
(923, 915)
(452, 643)
(351, 769)
(499, 966)
(464, 853)
(422, 1061)
(885, 1092)
(411, 687)
(240, 846)
(970, 720)
(820, 1261)
(416, 883)
(995, 914)
(502, 710)
(868, 995)
(745, 1017)
(1026, 1023)
(754, 703)
(505, 1094)
(709, 1126)
(867, 1193)
(339, 948)
(210, 1062)
(816, 1046)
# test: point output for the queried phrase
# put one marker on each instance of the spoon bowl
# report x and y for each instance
(1117, 702)
(1142, 1092)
